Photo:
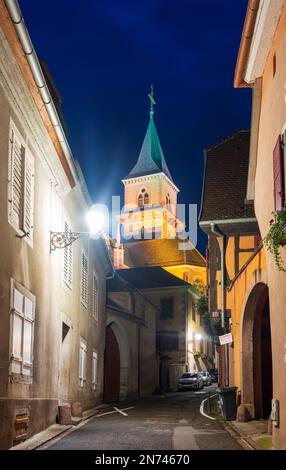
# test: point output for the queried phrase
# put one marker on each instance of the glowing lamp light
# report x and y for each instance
(96, 220)
(198, 336)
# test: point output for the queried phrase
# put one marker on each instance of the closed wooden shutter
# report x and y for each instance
(28, 207)
(16, 180)
(278, 176)
(68, 260)
(95, 297)
(82, 361)
(84, 278)
(94, 369)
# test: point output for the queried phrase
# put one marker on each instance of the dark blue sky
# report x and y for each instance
(104, 55)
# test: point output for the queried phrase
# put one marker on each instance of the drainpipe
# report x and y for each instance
(25, 40)
(218, 233)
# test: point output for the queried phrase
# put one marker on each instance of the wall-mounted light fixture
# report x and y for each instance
(96, 221)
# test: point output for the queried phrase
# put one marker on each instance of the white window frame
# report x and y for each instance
(83, 279)
(82, 361)
(95, 296)
(94, 369)
(68, 258)
(26, 197)
(18, 365)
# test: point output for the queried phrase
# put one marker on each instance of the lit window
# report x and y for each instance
(146, 198)
(186, 276)
(143, 198)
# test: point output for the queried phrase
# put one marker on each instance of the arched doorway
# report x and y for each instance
(111, 367)
(256, 354)
(116, 362)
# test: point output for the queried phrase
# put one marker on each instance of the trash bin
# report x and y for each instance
(227, 397)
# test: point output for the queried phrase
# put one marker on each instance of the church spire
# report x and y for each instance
(151, 159)
(152, 102)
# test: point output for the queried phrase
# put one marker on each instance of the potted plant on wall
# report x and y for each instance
(276, 237)
(197, 354)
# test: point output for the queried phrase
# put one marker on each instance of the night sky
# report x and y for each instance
(103, 56)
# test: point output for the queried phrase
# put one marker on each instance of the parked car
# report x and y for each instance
(205, 375)
(214, 375)
(190, 380)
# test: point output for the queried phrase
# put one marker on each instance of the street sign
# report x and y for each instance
(225, 339)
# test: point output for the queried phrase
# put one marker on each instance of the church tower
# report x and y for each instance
(150, 195)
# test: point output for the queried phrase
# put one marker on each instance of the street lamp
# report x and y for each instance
(96, 221)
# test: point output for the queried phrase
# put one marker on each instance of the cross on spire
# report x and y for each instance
(152, 102)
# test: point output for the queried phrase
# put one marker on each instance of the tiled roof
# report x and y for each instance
(151, 159)
(144, 278)
(225, 180)
(163, 252)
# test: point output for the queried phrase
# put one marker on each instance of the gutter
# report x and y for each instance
(245, 44)
(32, 59)
(220, 234)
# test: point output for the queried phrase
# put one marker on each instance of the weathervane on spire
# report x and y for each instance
(152, 101)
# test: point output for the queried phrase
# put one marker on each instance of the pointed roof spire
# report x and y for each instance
(151, 159)
(152, 102)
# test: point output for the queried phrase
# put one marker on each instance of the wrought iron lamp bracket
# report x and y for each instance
(64, 239)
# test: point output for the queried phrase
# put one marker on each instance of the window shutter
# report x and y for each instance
(23, 312)
(95, 297)
(278, 175)
(84, 278)
(68, 260)
(81, 365)
(28, 207)
(94, 369)
(16, 180)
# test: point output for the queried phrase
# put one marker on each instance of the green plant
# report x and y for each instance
(276, 236)
(202, 305)
(197, 354)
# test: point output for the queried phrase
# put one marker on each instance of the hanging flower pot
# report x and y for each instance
(276, 238)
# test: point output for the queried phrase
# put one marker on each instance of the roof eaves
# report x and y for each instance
(245, 44)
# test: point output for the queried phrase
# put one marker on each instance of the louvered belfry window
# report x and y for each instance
(278, 176)
(68, 260)
(84, 279)
(21, 184)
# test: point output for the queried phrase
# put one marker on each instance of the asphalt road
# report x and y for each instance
(170, 422)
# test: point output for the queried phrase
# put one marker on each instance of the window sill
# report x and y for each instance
(21, 378)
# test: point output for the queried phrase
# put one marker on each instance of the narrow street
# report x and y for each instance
(155, 423)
